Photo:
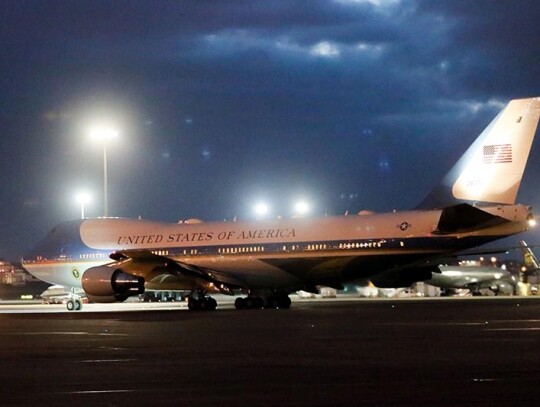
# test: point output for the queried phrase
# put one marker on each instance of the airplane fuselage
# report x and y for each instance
(282, 253)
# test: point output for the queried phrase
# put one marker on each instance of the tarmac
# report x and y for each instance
(410, 352)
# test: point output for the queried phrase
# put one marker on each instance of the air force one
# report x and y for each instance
(113, 258)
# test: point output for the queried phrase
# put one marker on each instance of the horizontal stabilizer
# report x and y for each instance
(464, 217)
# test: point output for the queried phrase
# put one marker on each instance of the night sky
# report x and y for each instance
(349, 104)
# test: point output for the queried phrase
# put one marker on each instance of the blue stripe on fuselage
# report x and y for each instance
(62, 242)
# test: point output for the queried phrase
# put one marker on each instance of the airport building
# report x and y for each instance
(12, 275)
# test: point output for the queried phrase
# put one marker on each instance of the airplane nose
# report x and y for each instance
(58, 242)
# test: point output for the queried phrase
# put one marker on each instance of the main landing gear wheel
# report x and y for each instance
(282, 301)
(202, 304)
(249, 303)
(240, 303)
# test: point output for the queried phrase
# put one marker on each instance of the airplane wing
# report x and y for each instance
(157, 269)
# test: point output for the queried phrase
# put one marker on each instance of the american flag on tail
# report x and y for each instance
(497, 153)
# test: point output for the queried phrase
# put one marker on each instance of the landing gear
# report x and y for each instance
(198, 301)
(475, 290)
(74, 303)
(282, 302)
(495, 289)
(249, 303)
(256, 302)
(204, 304)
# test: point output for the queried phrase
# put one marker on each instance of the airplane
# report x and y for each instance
(112, 259)
(58, 294)
(473, 278)
(476, 278)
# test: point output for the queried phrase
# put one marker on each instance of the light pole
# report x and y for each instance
(82, 198)
(104, 135)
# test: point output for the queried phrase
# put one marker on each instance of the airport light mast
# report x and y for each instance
(104, 135)
(82, 198)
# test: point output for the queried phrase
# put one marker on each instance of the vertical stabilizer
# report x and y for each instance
(491, 169)
(529, 259)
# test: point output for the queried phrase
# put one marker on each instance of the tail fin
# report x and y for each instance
(529, 259)
(491, 169)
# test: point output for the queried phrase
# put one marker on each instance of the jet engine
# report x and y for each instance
(107, 284)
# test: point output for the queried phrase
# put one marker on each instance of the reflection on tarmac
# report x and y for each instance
(399, 352)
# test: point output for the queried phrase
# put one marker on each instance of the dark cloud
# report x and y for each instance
(494, 44)
(221, 102)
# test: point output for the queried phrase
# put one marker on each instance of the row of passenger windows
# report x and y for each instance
(249, 249)
(316, 247)
(87, 256)
(367, 245)
(285, 248)
(254, 249)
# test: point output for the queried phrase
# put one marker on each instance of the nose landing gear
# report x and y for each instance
(74, 302)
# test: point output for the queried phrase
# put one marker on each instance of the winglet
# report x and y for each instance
(491, 169)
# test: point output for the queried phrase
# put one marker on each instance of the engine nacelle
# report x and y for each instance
(107, 284)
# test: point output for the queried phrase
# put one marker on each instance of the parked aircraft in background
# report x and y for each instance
(476, 278)
(473, 278)
(112, 259)
(57, 294)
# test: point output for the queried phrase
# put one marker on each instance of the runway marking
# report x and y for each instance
(513, 329)
(60, 333)
(435, 323)
(479, 323)
(106, 360)
(44, 333)
(514, 321)
(98, 391)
